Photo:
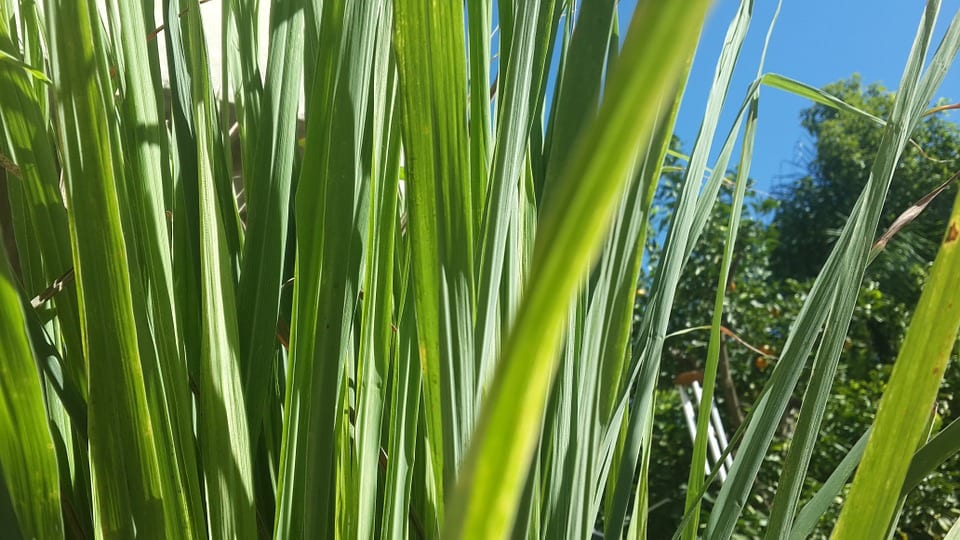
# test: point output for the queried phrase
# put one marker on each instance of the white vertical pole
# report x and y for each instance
(711, 433)
(689, 416)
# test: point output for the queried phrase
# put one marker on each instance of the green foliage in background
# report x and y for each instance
(815, 205)
(406, 307)
(760, 305)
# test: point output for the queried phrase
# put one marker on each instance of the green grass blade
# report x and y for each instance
(578, 90)
(478, 41)
(429, 45)
(688, 220)
(268, 200)
(635, 220)
(815, 95)
(38, 215)
(639, 429)
(622, 483)
(224, 437)
(908, 399)
(954, 532)
(405, 392)
(547, 53)
(826, 496)
(695, 482)
(695, 479)
(558, 429)
(493, 478)
(733, 442)
(513, 126)
(27, 457)
(241, 75)
(34, 49)
(164, 369)
(268, 206)
(445, 340)
(917, 374)
(523, 215)
(11, 61)
(812, 409)
(331, 218)
(942, 446)
(186, 199)
(833, 294)
(571, 494)
(376, 325)
(120, 426)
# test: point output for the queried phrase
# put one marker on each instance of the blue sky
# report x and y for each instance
(814, 41)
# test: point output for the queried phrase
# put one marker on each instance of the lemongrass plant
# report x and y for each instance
(418, 321)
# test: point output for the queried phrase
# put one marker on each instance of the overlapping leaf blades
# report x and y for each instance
(454, 353)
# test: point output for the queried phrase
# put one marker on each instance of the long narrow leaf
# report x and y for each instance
(119, 423)
(912, 388)
(27, 459)
(329, 206)
(429, 44)
(493, 477)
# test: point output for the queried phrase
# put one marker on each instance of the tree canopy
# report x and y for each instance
(814, 207)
